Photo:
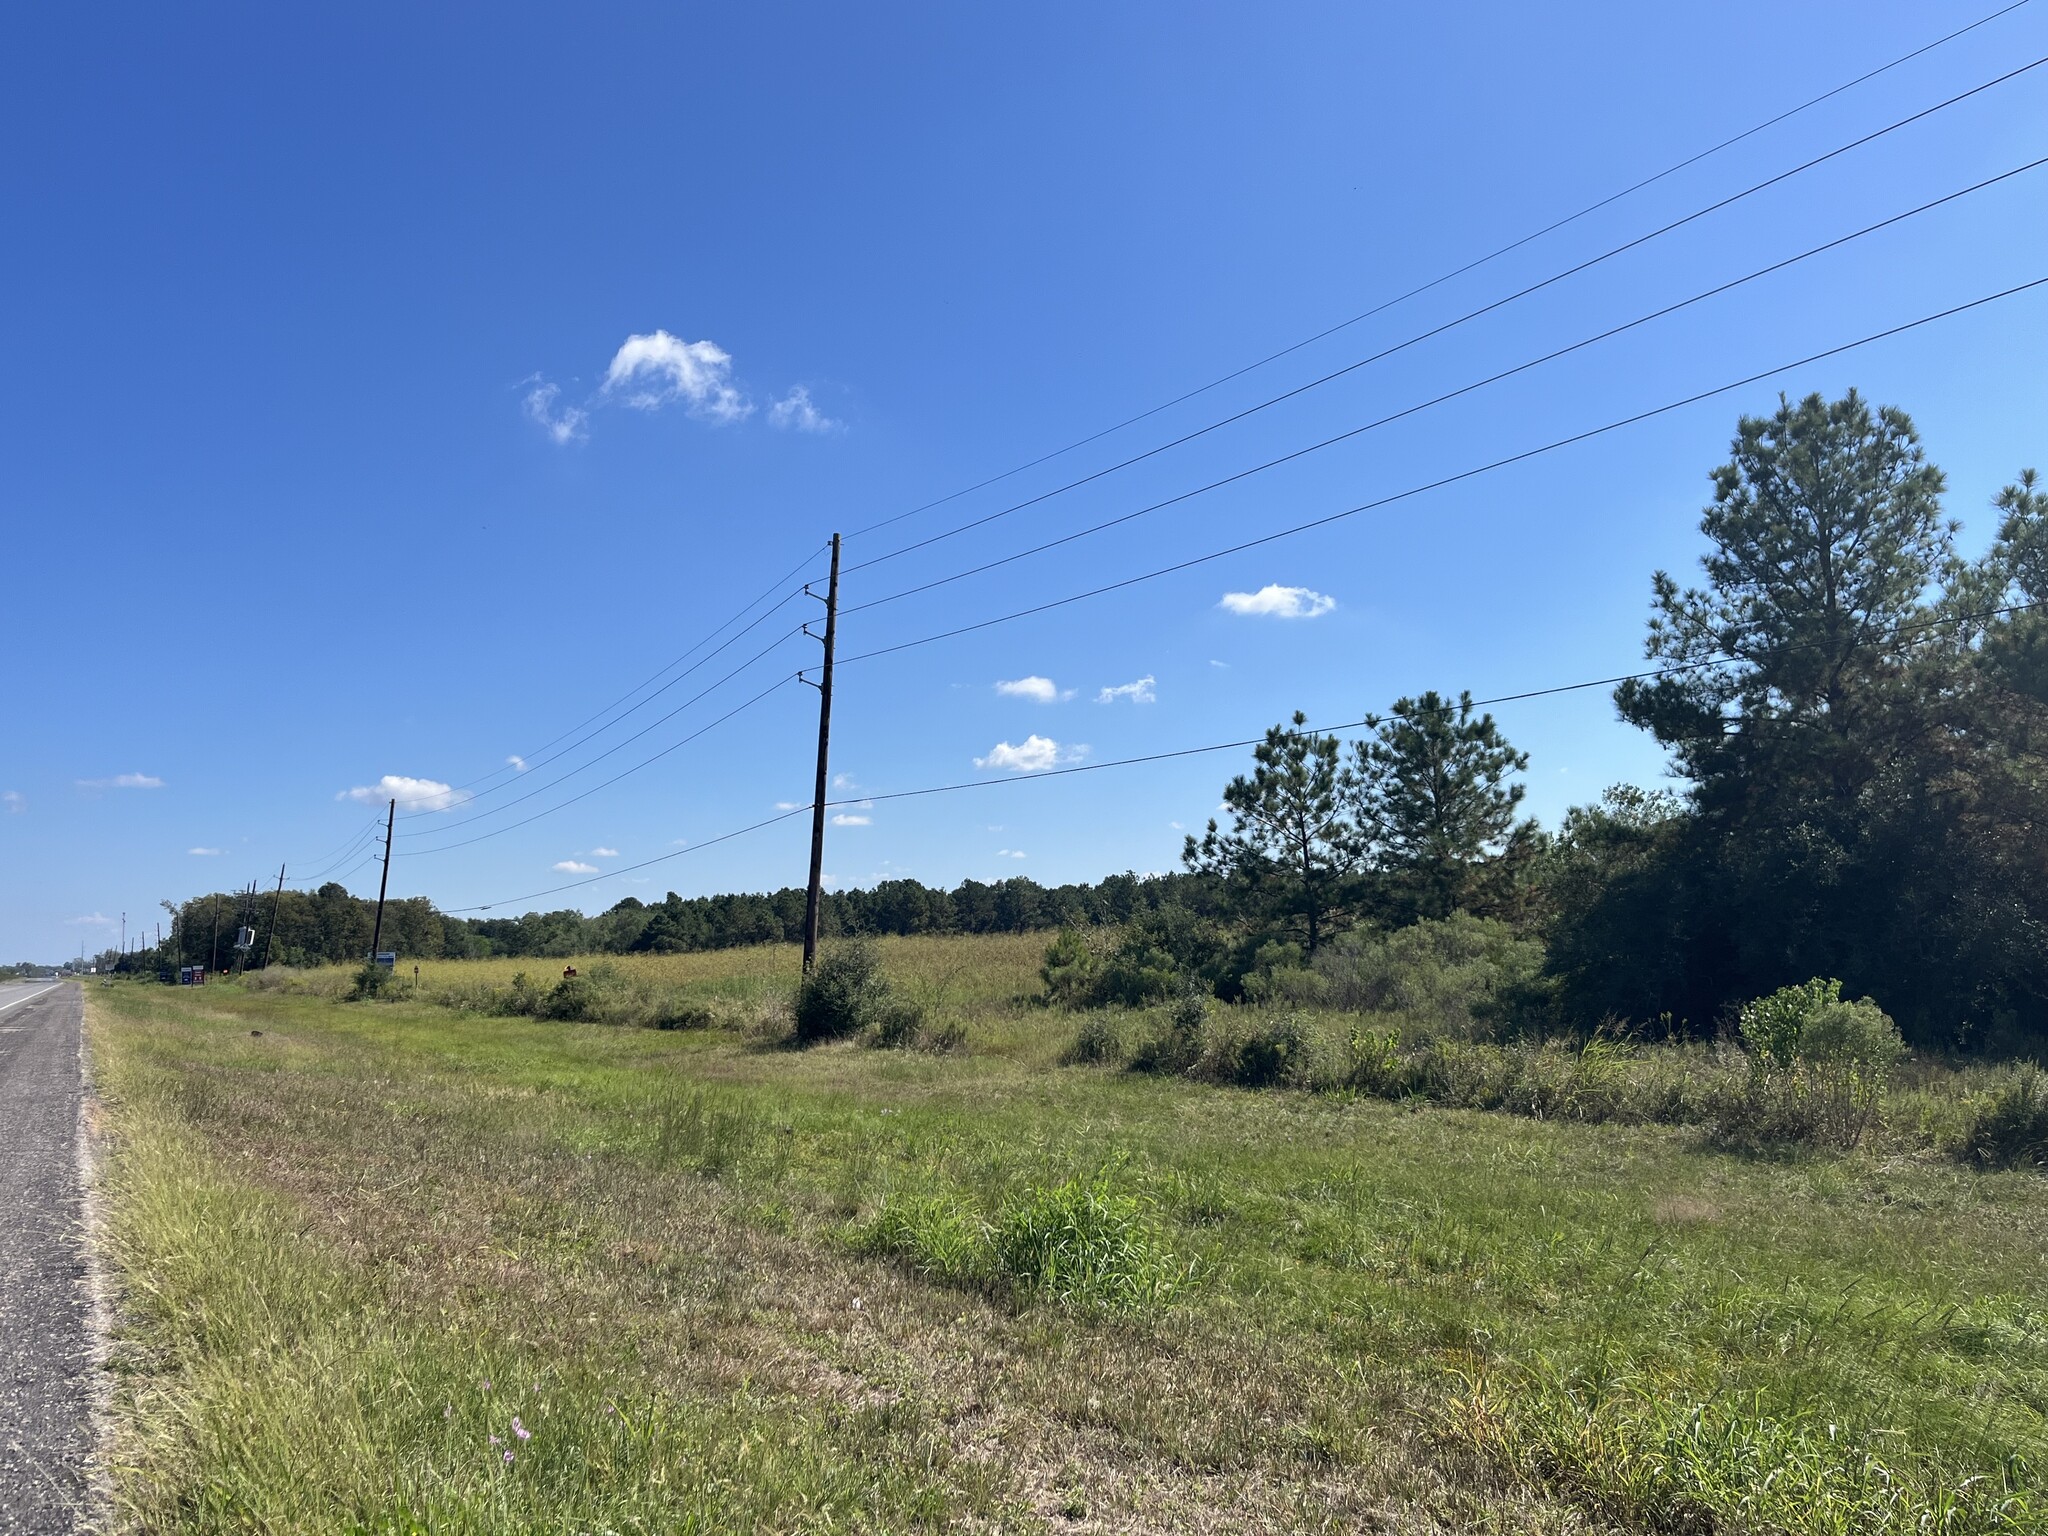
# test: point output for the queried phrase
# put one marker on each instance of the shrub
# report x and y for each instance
(370, 981)
(1177, 1045)
(845, 994)
(1070, 970)
(1280, 1048)
(2009, 1128)
(1099, 1041)
(1464, 976)
(1818, 1067)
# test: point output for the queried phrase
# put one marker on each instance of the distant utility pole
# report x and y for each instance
(213, 955)
(124, 923)
(275, 902)
(824, 687)
(383, 881)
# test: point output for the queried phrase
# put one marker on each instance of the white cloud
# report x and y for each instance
(1276, 602)
(411, 794)
(13, 801)
(1223, 664)
(681, 842)
(795, 411)
(844, 820)
(648, 372)
(94, 920)
(1139, 692)
(791, 805)
(1039, 690)
(1034, 754)
(204, 853)
(571, 867)
(1176, 826)
(124, 781)
(516, 763)
(564, 426)
(843, 781)
(604, 853)
(1010, 853)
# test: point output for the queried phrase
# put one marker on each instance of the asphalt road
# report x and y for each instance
(45, 1307)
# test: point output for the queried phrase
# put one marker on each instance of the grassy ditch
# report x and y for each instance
(729, 1287)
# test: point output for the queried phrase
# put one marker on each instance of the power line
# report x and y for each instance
(1449, 395)
(540, 789)
(541, 762)
(1446, 277)
(781, 682)
(1939, 622)
(1462, 475)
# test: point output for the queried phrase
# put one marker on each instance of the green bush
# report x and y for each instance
(1819, 1067)
(1464, 976)
(1098, 1042)
(1070, 970)
(1176, 1045)
(1280, 1048)
(369, 982)
(844, 994)
(2009, 1127)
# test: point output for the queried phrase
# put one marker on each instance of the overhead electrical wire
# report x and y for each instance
(1943, 621)
(538, 762)
(779, 683)
(1466, 389)
(1448, 325)
(1435, 282)
(1462, 475)
(563, 778)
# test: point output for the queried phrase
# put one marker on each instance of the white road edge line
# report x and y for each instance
(53, 986)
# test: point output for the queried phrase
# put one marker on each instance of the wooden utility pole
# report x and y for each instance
(213, 955)
(275, 902)
(824, 686)
(383, 881)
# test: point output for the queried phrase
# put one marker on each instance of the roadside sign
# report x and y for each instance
(388, 959)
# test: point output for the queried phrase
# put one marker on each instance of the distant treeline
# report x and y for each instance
(331, 926)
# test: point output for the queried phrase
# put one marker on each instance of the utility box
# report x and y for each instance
(245, 938)
(191, 975)
(388, 959)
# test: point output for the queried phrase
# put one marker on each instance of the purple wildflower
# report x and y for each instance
(520, 1429)
(508, 1458)
(496, 1441)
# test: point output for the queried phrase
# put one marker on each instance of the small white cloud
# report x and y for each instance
(796, 412)
(1176, 826)
(571, 867)
(564, 426)
(681, 842)
(204, 853)
(1274, 602)
(1010, 853)
(92, 920)
(1223, 664)
(1139, 692)
(648, 372)
(791, 805)
(843, 781)
(13, 801)
(604, 853)
(411, 794)
(1034, 754)
(124, 781)
(516, 763)
(841, 819)
(1039, 690)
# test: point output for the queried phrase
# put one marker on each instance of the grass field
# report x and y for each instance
(725, 1286)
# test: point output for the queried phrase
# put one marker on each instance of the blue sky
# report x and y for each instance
(327, 452)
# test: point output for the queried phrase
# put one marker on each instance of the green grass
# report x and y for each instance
(856, 1289)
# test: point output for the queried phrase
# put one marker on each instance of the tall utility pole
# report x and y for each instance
(213, 955)
(275, 902)
(824, 686)
(383, 880)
